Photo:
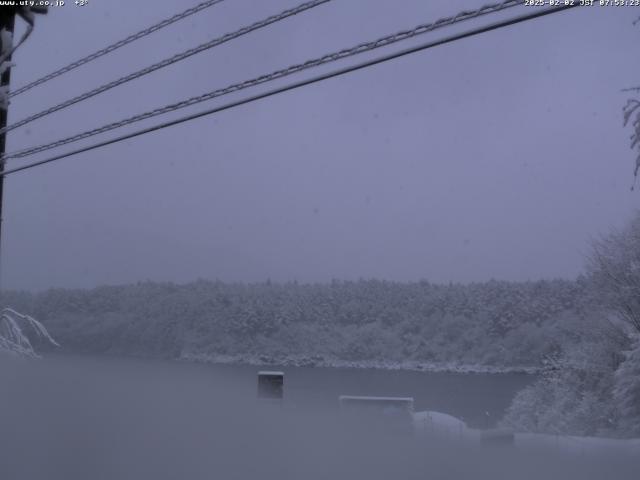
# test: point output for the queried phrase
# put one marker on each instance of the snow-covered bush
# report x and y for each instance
(575, 395)
(16, 330)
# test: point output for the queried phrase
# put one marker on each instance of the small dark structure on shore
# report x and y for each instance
(271, 385)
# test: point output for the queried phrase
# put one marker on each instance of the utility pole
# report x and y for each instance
(7, 22)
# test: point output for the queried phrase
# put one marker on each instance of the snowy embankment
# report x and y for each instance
(580, 445)
(448, 427)
(332, 362)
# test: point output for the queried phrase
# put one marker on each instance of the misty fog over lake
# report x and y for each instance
(108, 418)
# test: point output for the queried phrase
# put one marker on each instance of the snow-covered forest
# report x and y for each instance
(495, 324)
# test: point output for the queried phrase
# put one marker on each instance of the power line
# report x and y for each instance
(121, 43)
(325, 59)
(168, 61)
(292, 86)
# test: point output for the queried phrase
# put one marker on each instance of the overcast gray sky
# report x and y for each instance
(497, 156)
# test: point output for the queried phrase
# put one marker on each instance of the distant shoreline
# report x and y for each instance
(321, 362)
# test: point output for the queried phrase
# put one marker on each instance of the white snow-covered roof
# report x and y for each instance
(267, 372)
(438, 419)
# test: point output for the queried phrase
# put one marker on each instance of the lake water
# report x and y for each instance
(479, 399)
(107, 418)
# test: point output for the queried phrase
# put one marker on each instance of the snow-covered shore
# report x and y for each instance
(322, 361)
(452, 428)
(577, 444)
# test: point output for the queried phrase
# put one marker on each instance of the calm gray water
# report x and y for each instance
(479, 399)
(105, 418)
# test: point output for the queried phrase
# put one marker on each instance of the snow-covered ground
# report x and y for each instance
(579, 445)
(449, 427)
(314, 361)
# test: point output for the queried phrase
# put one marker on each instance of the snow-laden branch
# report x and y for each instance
(631, 112)
(15, 329)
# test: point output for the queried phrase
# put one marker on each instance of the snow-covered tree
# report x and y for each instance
(615, 269)
(16, 330)
(593, 387)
